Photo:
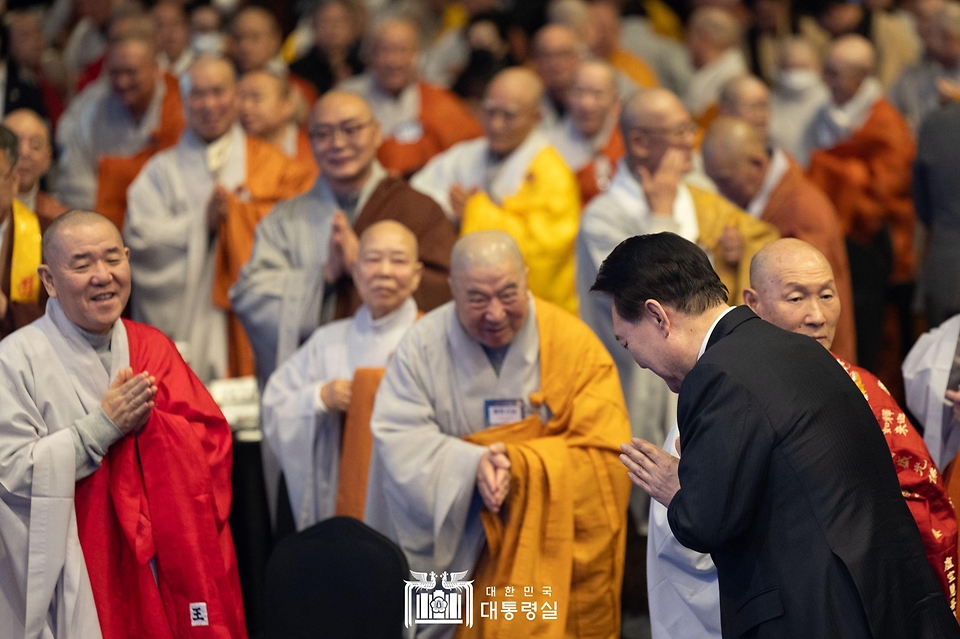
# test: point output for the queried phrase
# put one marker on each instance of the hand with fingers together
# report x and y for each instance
(652, 469)
(129, 400)
(660, 187)
(493, 477)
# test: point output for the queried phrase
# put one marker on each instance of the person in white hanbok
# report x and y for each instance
(307, 396)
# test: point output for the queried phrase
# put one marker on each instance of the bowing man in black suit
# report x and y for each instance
(785, 478)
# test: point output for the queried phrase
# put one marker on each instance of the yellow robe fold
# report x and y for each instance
(714, 213)
(543, 216)
(564, 522)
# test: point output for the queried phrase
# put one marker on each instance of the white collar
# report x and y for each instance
(29, 199)
(706, 338)
(775, 171)
(403, 315)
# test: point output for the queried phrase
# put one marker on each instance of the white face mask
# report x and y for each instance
(208, 43)
(797, 80)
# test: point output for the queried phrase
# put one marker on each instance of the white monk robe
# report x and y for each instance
(399, 117)
(280, 291)
(422, 485)
(682, 584)
(171, 251)
(704, 89)
(578, 151)
(51, 384)
(301, 430)
(103, 126)
(926, 372)
(609, 219)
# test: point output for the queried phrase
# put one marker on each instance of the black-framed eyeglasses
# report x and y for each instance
(325, 134)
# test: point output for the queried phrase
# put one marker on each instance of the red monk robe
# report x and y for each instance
(164, 493)
(115, 173)
(923, 487)
(592, 183)
(868, 177)
(445, 122)
(271, 177)
(799, 209)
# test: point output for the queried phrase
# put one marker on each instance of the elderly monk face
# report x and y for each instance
(848, 63)
(388, 269)
(88, 271)
(511, 110)
(736, 159)
(256, 40)
(344, 135)
(593, 98)
(394, 56)
(213, 98)
(35, 151)
(133, 73)
(263, 106)
(490, 299)
(752, 105)
(556, 54)
(792, 286)
(661, 123)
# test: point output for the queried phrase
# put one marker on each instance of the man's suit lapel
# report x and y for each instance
(729, 323)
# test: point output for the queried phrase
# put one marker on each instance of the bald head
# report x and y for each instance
(593, 98)
(511, 108)
(212, 103)
(795, 54)
(735, 157)
(393, 54)
(792, 286)
(573, 14)
(388, 267)
(655, 122)
(485, 249)
(62, 227)
(711, 32)
(649, 108)
(556, 52)
(849, 62)
(748, 98)
(344, 136)
(257, 38)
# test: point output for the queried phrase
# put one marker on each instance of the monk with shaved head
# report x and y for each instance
(513, 180)
(33, 163)
(512, 406)
(418, 119)
(117, 494)
(713, 39)
(588, 138)
(191, 218)
(648, 194)
(771, 186)
(334, 374)
(856, 141)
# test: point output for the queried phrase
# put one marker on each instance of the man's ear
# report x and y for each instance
(658, 315)
(46, 276)
(751, 299)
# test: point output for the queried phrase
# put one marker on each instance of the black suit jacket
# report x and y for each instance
(787, 482)
(20, 94)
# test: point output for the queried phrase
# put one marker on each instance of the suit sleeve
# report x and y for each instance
(726, 442)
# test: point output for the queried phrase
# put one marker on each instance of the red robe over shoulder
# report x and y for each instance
(799, 209)
(869, 177)
(165, 494)
(920, 481)
(445, 120)
(587, 176)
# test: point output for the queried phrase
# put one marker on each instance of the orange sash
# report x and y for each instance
(357, 443)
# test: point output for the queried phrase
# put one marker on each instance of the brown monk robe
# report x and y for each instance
(115, 173)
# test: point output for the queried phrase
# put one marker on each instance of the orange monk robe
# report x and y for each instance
(591, 181)
(445, 120)
(563, 524)
(305, 88)
(634, 68)
(923, 487)
(271, 177)
(116, 173)
(48, 208)
(799, 209)
(868, 177)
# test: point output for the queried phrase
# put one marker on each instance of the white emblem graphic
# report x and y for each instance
(427, 604)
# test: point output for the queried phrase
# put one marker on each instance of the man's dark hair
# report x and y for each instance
(10, 145)
(662, 267)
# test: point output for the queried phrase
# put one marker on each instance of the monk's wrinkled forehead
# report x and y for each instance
(484, 250)
(212, 70)
(74, 232)
(390, 236)
(788, 259)
(339, 106)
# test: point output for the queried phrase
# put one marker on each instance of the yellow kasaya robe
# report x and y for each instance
(563, 524)
(542, 215)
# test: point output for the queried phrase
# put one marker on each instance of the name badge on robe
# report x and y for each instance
(408, 132)
(498, 412)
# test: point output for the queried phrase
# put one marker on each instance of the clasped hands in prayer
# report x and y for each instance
(652, 469)
(493, 476)
(343, 250)
(660, 189)
(129, 400)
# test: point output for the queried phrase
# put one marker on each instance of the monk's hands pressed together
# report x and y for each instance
(731, 245)
(493, 477)
(336, 394)
(660, 187)
(129, 399)
(217, 208)
(344, 249)
(458, 199)
(652, 469)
